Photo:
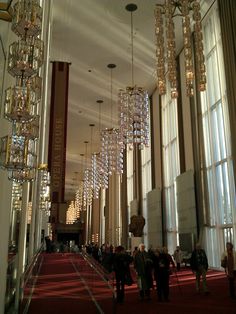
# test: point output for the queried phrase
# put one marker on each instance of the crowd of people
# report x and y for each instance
(154, 267)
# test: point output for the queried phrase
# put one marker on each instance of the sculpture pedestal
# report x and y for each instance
(135, 241)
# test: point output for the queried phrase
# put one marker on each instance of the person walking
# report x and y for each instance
(178, 257)
(143, 267)
(121, 263)
(199, 266)
(228, 262)
(161, 263)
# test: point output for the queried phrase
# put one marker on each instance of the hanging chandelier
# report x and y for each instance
(44, 194)
(134, 106)
(79, 198)
(99, 164)
(112, 151)
(71, 213)
(16, 196)
(112, 145)
(96, 174)
(18, 151)
(87, 180)
(166, 46)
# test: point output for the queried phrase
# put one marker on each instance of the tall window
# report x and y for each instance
(170, 153)
(146, 185)
(218, 162)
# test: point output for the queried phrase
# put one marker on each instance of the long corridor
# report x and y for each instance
(70, 283)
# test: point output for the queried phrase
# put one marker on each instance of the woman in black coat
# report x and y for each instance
(161, 263)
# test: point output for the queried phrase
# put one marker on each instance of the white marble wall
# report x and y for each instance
(154, 219)
(186, 203)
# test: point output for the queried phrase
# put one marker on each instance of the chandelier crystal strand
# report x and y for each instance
(187, 48)
(79, 197)
(17, 192)
(101, 156)
(200, 59)
(88, 191)
(171, 47)
(159, 30)
(44, 194)
(95, 175)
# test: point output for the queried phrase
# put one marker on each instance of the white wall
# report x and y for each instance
(154, 219)
(186, 203)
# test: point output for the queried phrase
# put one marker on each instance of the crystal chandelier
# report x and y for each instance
(96, 174)
(44, 194)
(29, 213)
(79, 198)
(99, 170)
(134, 106)
(18, 151)
(112, 145)
(71, 213)
(79, 193)
(112, 151)
(166, 46)
(87, 181)
(16, 196)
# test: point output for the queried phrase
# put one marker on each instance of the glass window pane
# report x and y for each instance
(221, 131)
(211, 197)
(215, 136)
(206, 136)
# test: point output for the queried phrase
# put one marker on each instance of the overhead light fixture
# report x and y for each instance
(134, 105)
(87, 180)
(71, 214)
(18, 151)
(79, 193)
(16, 196)
(111, 140)
(99, 175)
(166, 46)
(44, 194)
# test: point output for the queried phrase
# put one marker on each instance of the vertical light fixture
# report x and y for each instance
(44, 194)
(112, 145)
(80, 190)
(99, 177)
(134, 105)
(165, 51)
(18, 151)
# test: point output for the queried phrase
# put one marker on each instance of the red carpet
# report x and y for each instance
(67, 284)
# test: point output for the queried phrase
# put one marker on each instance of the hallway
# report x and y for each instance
(68, 283)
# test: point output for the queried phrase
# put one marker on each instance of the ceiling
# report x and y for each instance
(90, 34)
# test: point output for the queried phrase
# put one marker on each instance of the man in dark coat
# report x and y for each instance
(121, 262)
(199, 265)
